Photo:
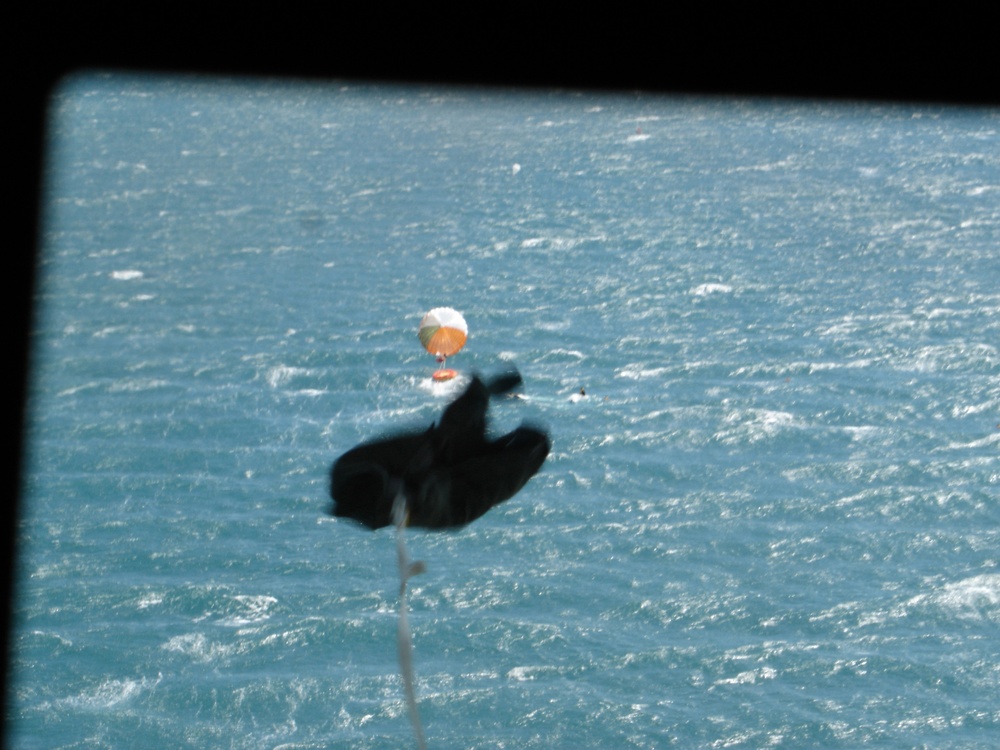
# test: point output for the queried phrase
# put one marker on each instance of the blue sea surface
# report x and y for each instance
(774, 520)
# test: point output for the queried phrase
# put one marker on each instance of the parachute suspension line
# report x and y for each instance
(407, 569)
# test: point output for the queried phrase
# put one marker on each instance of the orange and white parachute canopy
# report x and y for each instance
(443, 331)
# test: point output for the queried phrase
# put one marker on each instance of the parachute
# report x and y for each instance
(443, 332)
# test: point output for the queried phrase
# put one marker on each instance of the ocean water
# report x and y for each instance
(774, 521)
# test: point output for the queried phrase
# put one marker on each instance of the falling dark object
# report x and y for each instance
(449, 474)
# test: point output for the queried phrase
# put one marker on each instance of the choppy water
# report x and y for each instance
(773, 522)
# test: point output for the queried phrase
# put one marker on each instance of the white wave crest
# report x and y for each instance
(977, 597)
(703, 290)
(126, 275)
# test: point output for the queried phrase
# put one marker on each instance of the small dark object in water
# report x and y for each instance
(450, 474)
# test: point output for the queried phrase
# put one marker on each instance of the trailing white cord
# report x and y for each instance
(407, 569)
